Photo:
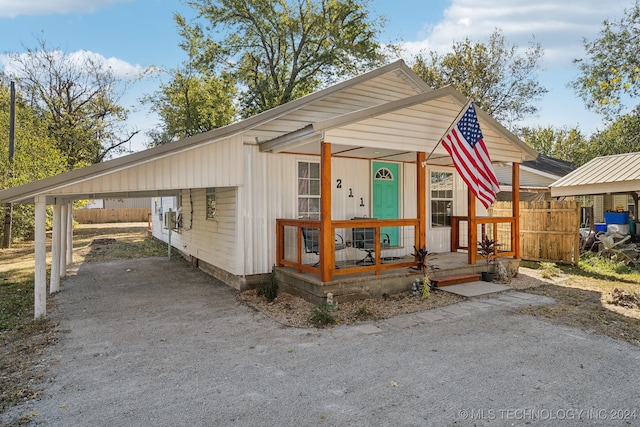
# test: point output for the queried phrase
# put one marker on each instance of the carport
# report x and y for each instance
(143, 174)
(616, 174)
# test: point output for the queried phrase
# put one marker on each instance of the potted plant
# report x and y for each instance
(488, 249)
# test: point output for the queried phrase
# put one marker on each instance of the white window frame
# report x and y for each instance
(439, 197)
(308, 190)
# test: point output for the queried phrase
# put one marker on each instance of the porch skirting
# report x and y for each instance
(366, 285)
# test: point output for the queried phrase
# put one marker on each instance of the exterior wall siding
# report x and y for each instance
(195, 168)
(212, 241)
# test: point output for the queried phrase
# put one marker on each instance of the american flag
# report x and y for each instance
(470, 156)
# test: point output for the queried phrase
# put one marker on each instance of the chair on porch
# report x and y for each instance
(311, 237)
(364, 239)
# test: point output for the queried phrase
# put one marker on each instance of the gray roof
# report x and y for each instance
(618, 173)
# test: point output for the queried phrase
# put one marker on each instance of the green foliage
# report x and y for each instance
(620, 136)
(281, 50)
(363, 312)
(321, 315)
(426, 287)
(501, 81)
(549, 270)
(35, 157)
(269, 290)
(16, 301)
(196, 99)
(593, 263)
(611, 69)
(561, 143)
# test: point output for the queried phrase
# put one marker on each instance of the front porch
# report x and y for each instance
(384, 263)
(392, 280)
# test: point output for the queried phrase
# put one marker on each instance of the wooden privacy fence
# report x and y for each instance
(100, 216)
(549, 230)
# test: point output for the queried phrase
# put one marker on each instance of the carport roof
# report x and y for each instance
(618, 173)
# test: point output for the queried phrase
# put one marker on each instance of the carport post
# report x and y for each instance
(56, 237)
(40, 272)
(169, 229)
(63, 239)
(69, 236)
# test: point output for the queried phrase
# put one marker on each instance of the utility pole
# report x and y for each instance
(8, 207)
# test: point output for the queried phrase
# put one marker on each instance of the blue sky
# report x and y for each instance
(134, 34)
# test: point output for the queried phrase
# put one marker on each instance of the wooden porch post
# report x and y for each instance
(56, 238)
(472, 232)
(40, 272)
(326, 241)
(515, 191)
(421, 239)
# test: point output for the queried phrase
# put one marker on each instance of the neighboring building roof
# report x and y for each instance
(535, 175)
(618, 173)
(550, 165)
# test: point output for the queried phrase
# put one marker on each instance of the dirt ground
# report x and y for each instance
(293, 311)
(582, 301)
(158, 342)
(577, 305)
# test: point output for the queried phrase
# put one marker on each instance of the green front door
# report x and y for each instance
(386, 190)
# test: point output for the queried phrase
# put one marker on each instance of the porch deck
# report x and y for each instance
(356, 286)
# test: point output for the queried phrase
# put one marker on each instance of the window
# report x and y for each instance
(211, 203)
(441, 199)
(384, 173)
(308, 190)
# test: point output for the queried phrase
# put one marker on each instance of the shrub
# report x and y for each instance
(269, 290)
(321, 315)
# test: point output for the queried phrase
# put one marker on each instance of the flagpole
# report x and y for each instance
(453, 123)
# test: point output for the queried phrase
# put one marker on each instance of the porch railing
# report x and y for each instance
(395, 253)
(500, 229)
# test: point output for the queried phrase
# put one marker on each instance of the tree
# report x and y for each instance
(280, 50)
(612, 67)
(77, 94)
(35, 156)
(196, 99)
(562, 143)
(621, 136)
(499, 80)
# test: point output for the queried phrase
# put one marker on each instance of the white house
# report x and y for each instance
(245, 193)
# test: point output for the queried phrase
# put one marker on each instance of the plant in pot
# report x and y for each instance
(488, 249)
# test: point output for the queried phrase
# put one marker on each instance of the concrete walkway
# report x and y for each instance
(157, 343)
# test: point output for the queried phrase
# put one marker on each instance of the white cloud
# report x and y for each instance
(13, 8)
(121, 69)
(559, 27)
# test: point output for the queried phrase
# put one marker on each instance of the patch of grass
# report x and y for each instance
(583, 299)
(364, 313)
(530, 264)
(142, 248)
(16, 300)
(321, 315)
(549, 270)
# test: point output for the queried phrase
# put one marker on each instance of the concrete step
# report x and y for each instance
(455, 280)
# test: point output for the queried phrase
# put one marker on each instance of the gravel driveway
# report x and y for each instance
(155, 342)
